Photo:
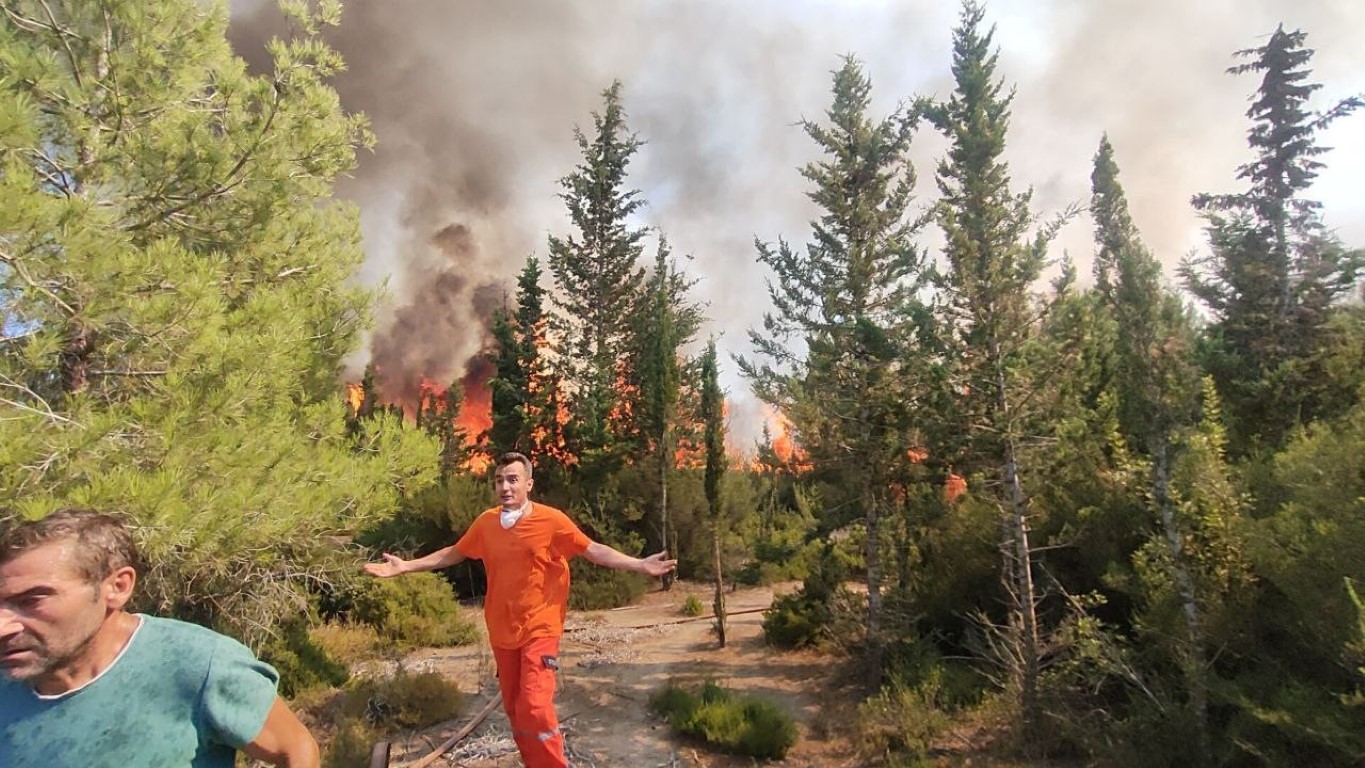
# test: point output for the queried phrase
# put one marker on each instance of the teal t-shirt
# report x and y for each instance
(179, 696)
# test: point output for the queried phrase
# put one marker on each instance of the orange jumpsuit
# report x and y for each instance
(528, 595)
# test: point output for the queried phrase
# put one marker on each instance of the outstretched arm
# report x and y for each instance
(605, 556)
(394, 565)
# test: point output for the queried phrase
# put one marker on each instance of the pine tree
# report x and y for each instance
(1158, 387)
(667, 321)
(992, 265)
(523, 416)
(713, 417)
(599, 279)
(839, 347)
(178, 302)
(1273, 269)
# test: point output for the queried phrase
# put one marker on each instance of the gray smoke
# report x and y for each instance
(474, 103)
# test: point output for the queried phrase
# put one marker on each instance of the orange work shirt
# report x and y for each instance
(528, 572)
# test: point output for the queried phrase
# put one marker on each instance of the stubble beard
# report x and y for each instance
(49, 660)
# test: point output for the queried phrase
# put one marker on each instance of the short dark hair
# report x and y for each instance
(512, 457)
(103, 543)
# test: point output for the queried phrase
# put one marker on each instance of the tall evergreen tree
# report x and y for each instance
(667, 321)
(524, 414)
(992, 264)
(713, 417)
(599, 278)
(179, 302)
(1158, 389)
(839, 347)
(1273, 269)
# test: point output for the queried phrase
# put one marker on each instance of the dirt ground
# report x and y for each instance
(610, 664)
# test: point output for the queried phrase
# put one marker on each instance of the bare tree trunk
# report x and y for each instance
(1018, 554)
(1024, 611)
(1184, 583)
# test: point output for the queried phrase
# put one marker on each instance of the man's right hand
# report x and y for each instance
(393, 565)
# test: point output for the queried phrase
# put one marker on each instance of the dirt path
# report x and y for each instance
(610, 666)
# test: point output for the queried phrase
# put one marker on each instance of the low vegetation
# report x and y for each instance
(741, 725)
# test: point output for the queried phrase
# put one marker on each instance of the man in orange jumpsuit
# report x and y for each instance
(525, 548)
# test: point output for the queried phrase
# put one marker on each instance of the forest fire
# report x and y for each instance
(429, 405)
(779, 438)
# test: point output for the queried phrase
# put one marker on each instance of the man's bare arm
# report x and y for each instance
(283, 740)
(605, 556)
(394, 565)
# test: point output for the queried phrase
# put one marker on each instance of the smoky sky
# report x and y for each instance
(474, 104)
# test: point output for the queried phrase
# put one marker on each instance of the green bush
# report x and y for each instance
(414, 610)
(804, 618)
(692, 606)
(303, 663)
(903, 720)
(405, 700)
(794, 622)
(737, 724)
(596, 588)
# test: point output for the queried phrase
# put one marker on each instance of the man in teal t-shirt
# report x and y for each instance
(86, 684)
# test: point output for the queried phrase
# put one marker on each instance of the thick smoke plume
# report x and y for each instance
(474, 104)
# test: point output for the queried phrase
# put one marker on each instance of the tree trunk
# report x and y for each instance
(718, 604)
(872, 554)
(666, 580)
(1017, 552)
(1184, 583)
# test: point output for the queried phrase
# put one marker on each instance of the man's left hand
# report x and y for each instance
(656, 565)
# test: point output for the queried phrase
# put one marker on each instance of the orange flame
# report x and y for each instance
(476, 408)
(954, 487)
(786, 450)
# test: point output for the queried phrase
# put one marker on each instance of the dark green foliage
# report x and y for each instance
(599, 279)
(303, 664)
(1273, 270)
(739, 725)
(596, 588)
(417, 610)
(806, 617)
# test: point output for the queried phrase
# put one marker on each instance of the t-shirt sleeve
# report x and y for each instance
(238, 694)
(568, 540)
(471, 543)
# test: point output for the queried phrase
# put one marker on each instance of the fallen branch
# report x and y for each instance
(728, 614)
(460, 734)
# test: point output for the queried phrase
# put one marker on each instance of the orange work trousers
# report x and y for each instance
(526, 676)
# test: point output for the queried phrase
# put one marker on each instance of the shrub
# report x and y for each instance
(418, 609)
(348, 643)
(350, 744)
(794, 622)
(595, 588)
(692, 606)
(405, 700)
(737, 724)
(804, 617)
(903, 719)
(303, 663)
